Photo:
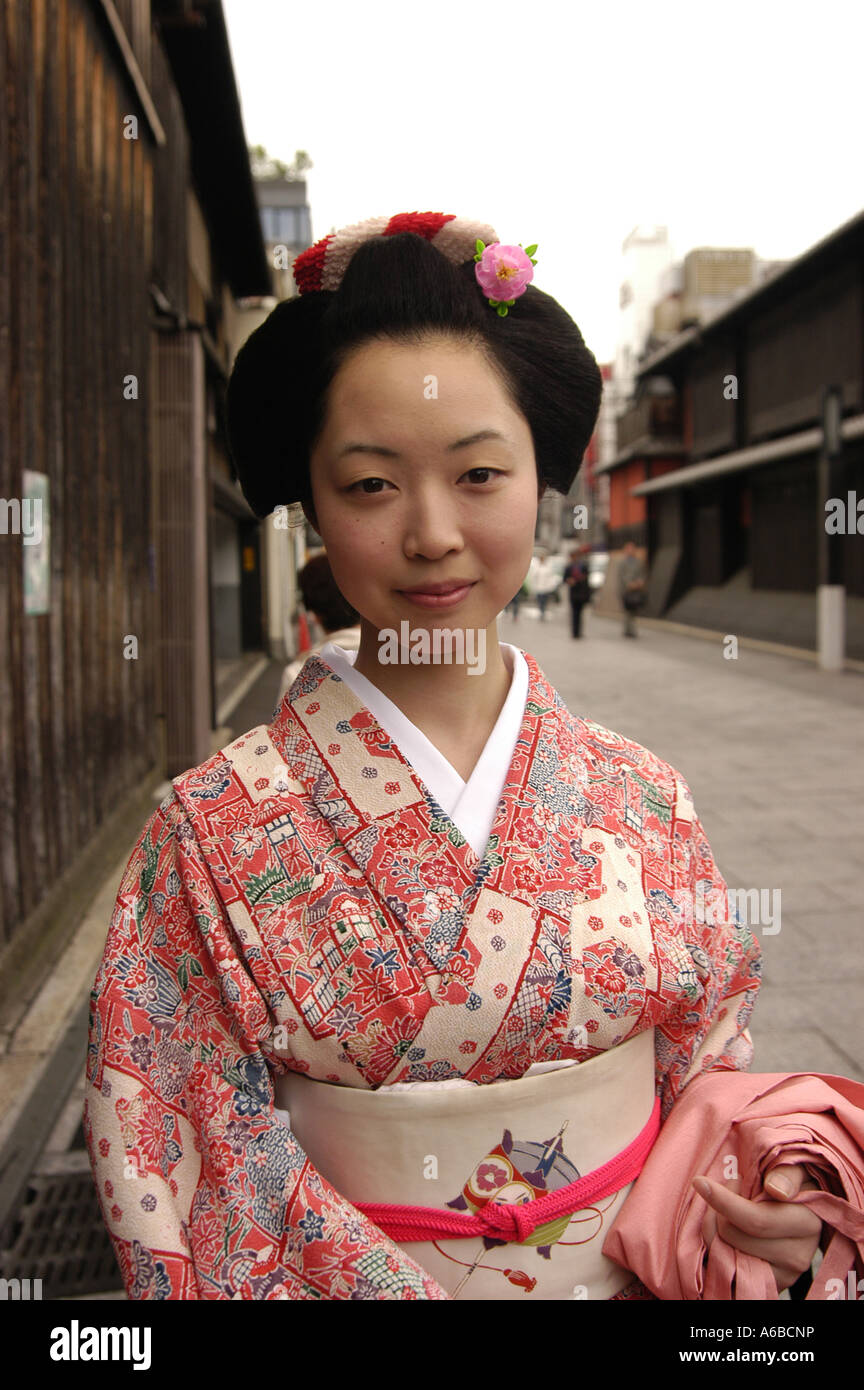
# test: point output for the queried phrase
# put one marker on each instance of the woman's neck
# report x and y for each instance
(457, 704)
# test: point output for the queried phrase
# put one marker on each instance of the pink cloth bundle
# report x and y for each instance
(759, 1120)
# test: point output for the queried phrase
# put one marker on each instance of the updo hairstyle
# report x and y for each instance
(401, 288)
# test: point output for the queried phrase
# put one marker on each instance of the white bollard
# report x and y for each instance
(831, 626)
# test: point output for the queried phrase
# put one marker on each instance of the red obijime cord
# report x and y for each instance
(516, 1221)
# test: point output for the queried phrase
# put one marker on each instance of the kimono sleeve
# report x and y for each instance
(205, 1192)
(710, 1033)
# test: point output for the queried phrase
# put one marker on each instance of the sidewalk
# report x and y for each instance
(773, 751)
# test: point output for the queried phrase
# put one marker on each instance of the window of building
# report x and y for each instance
(289, 225)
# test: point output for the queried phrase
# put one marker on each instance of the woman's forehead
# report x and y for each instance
(376, 353)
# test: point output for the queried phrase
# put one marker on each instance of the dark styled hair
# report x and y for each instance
(323, 597)
(401, 288)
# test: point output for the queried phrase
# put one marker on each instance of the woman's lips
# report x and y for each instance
(438, 600)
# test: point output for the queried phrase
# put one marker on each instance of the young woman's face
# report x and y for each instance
(411, 508)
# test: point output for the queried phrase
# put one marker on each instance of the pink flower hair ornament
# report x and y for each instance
(503, 268)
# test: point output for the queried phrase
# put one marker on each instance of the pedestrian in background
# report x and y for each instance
(579, 587)
(546, 581)
(513, 605)
(333, 614)
(631, 587)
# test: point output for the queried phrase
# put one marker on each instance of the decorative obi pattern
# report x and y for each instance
(462, 1150)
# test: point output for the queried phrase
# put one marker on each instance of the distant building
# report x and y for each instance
(660, 298)
(583, 514)
(646, 254)
(716, 469)
(706, 282)
(286, 225)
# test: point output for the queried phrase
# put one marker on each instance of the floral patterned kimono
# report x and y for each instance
(301, 904)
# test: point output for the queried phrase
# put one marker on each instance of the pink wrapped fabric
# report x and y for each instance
(758, 1120)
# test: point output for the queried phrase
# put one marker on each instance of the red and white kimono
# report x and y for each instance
(303, 905)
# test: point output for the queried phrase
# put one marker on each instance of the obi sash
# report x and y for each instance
(505, 1190)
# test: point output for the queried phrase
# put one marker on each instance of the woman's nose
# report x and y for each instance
(431, 529)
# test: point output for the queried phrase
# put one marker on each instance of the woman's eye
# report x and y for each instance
(361, 483)
(370, 486)
(473, 471)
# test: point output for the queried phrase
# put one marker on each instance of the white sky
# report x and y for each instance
(735, 124)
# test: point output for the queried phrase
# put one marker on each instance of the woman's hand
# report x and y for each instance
(786, 1237)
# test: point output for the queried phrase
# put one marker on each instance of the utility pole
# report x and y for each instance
(831, 593)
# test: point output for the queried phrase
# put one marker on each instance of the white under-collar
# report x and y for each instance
(471, 805)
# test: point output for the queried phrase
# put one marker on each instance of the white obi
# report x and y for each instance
(506, 1141)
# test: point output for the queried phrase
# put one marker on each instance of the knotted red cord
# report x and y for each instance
(515, 1221)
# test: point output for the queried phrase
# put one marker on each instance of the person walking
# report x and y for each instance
(631, 588)
(546, 581)
(513, 605)
(579, 587)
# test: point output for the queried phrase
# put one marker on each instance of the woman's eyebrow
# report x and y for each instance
(480, 437)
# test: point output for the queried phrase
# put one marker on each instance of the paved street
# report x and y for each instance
(772, 750)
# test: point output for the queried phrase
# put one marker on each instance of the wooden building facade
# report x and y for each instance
(716, 472)
(128, 228)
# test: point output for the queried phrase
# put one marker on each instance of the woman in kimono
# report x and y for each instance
(399, 988)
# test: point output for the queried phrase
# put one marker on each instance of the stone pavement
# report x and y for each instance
(773, 751)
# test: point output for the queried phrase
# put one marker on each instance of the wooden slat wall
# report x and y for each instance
(171, 180)
(713, 413)
(77, 720)
(135, 18)
(181, 487)
(10, 550)
(178, 448)
(810, 340)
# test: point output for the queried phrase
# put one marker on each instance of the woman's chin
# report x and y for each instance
(462, 617)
